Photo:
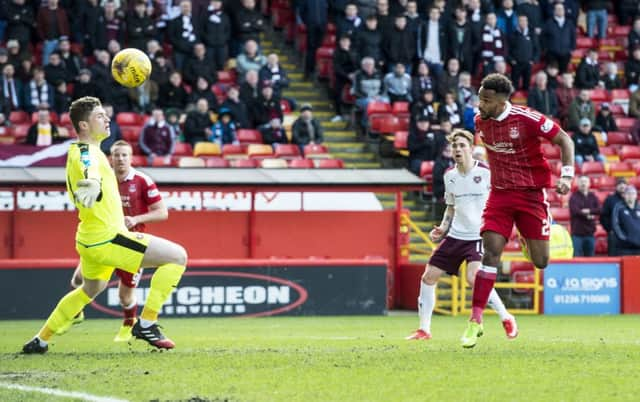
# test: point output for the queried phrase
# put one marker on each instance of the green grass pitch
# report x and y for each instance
(334, 359)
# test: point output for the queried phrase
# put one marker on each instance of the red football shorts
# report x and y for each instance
(128, 279)
(528, 209)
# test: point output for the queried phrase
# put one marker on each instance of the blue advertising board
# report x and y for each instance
(582, 288)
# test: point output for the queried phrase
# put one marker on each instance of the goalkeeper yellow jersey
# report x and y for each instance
(105, 218)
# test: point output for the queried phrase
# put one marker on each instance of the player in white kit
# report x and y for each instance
(466, 191)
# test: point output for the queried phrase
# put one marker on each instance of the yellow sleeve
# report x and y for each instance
(90, 162)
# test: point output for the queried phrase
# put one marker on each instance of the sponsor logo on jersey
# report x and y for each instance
(546, 126)
(132, 188)
(514, 132)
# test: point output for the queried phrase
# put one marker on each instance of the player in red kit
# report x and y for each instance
(519, 176)
(141, 203)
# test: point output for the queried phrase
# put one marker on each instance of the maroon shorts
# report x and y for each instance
(128, 279)
(528, 209)
(452, 252)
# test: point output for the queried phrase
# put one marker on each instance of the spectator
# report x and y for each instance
(635, 132)
(448, 82)
(92, 26)
(52, 23)
(596, 15)
(140, 26)
(247, 23)
(632, 69)
(38, 93)
(450, 110)
(367, 87)
(584, 208)
(114, 25)
(432, 41)
(559, 37)
(199, 65)
(586, 144)
(541, 98)
(476, 20)
(634, 104)
(266, 107)
(175, 119)
(250, 59)
(157, 138)
(115, 134)
(470, 112)
(183, 33)
(604, 119)
(588, 72)
(532, 9)
(460, 39)
(20, 21)
(274, 73)
(4, 58)
(423, 143)
(626, 223)
(44, 133)
(421, 82)
(606, 214)
(443, 162)
(55, 71)
(523, 53)
(507, 18)
(306, 129)
(273, 133)
(398, 84)
(16, 54)
(369, 41)
(173, 94)
(344, 67)
(610, 79)
(424, 106)
(216, 33)
(314, 14)
(203, 90)
(350, 22)
(412, 16)
(71, 61)
(581, 108)
(224, 130)
(552, 76)
(249, 89)
(61, 98)
(399, 46)
(85, 86)
(144, 97)
(385, 19)
(11, 88)
(565, 94)
(101, 72)
(465, 89)
(197, 126)
(634, 35)
(161, 69)
(493, 44)
(628, 11)
(238, 108)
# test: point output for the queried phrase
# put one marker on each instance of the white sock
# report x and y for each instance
(41, 342)
(146, 323)
(133, 303)
(426, 303)
(497, 305)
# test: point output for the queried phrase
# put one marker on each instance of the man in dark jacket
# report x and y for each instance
(433, 52)
(306, 129)
(140, 26)
(199, 65)
(606, 214)
(273, 133)
(52, 23)
(542, 98)
(399, 46)
(559, 38)
(626, 223)
(588, 72)
(173, 94)
(314, 15)
(349, 23)
(157, 137)
(460, 39)
(423, 143)
(216, 33)
(43, 132)
(70, 60)
(246, 23)
(197, 126)
(524, 51)
(20, 22)
(586, 144)
(93, 27)
(183, 34)
(344, 68)
(584, 208)
(369, 41)
(238, 108)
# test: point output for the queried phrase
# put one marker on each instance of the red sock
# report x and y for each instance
(130, 313)
(485, 278)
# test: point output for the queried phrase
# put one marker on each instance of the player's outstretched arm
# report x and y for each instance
(440, 231)
(567, 154)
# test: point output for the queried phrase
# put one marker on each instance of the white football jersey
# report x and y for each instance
(468, 193)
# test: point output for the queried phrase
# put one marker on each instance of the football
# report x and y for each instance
(130, 67)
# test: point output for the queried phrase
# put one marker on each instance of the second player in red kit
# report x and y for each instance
(519, 176)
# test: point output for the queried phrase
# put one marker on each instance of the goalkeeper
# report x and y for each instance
(102, 240)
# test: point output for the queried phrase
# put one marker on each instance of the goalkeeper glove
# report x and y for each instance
(87, 192)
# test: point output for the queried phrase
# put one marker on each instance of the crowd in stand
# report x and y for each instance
(59, 50)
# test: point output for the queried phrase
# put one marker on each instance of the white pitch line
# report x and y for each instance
(57, 392)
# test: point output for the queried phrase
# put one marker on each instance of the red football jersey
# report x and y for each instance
(513, 147)
(137, 192)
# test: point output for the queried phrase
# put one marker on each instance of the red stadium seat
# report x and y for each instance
(620, 30)
(603, 183)
(183, 149)
(601, 195)
(128, 119)
(227, 77)
(583, 42)
(630, 153)
(375, 107)
(519, 97)
(302, 163)
(593, 169)
(138, 160)
(233, 151)
(287, 151)
(65, 119)
(249, 136)
(20, 131)
(620, 94)
(400, 108)
(621, 169)
(390, 124)
(18, 117)
(375, 122)
(244, 163)
(426, 170)
(625, 123)
(330, 164)
(619, 138)
(600, 95)
(400, 140)
(131, 134)
(316, 151)
(53, 117)
(216, 162)
(259, 151)
(560, 215)
(634, 181)
(324, 59)
(161, 161)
